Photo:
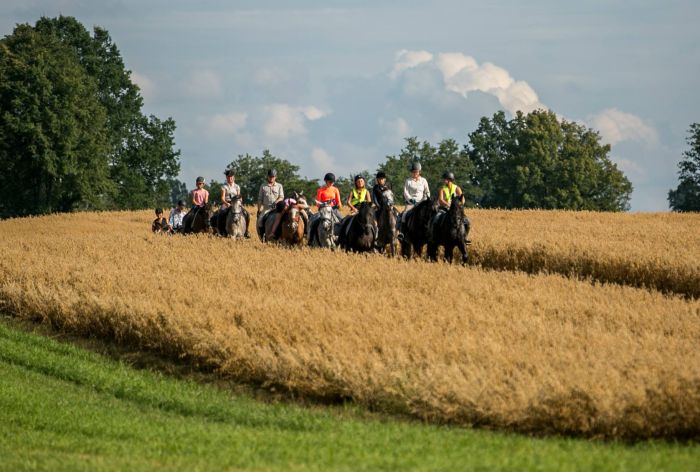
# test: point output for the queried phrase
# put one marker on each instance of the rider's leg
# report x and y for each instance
(246, 216)
(278, 218)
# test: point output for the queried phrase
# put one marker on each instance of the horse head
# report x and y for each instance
(387, 201)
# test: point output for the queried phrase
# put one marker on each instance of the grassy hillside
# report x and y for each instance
(63, 408)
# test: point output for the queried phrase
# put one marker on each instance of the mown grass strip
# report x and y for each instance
(63, 408)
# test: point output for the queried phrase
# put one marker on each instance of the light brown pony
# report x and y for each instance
(292, 227)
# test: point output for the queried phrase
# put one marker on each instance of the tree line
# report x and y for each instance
(73, 137)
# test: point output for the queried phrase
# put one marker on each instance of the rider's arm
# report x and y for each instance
(281, 197)
(206, 196)
(223, 197)
(406, 195)
(427, 189)
(260, 199)
(337, 197)
(368, 196)
(349, 202)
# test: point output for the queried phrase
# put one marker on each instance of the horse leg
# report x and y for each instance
(449, 251)
(463, 249)
(432, 251)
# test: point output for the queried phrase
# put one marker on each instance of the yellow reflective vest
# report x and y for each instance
(449, 191)
(358, 197)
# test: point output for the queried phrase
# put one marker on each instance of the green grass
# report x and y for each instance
(65, 408)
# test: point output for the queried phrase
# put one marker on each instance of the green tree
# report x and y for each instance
(251, 173)
(435, 160)
(53, 140)
(178, 191)
(686, 197)
(538, 161)
(142, 158)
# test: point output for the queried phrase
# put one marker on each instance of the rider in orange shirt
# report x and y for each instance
(329, 192)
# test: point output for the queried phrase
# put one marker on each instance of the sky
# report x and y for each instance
(337, 85)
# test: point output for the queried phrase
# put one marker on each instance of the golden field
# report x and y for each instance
(654, 250)
(463, 345)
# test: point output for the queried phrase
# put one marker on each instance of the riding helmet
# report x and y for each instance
(381, 175)
(448, 175)
(229, 173)
(181, 203)
(358, 177)
(272, 173)
(200, 179)
(415, 166)
(329, 177)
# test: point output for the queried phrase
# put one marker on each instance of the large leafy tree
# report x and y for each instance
(538, 161)
(142, 155)
(136, 153)
(686, 197)
(251, 172)
(53, 138)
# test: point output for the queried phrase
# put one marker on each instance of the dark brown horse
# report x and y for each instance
(450, 229)
(197, 220)
(416, 224)
(358, 233)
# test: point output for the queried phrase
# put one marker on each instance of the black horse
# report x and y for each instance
(358, 233)
(416, 225)
(450, 230)
(197, 220)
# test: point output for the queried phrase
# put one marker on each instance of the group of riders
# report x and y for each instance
(272, 203)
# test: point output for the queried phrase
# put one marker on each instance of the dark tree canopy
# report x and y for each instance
(69, 87)
(686, 197)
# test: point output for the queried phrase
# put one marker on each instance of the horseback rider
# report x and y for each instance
(280, 207)
(200, 195)
(449, 191)
(228, 191)
(269, 195)
(176, 216)
(379, 187)
(415, 190)
(358, 194)
(330, 193)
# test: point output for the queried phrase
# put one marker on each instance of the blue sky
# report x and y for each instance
(336, 85)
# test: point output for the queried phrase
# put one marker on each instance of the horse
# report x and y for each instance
(321, 231)
(197, 220)
(386, 222)
(416, 225)
(292, 225)
(450, 230)
(358, 233)
(235, 224)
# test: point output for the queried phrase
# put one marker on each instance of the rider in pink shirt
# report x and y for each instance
(200, 196)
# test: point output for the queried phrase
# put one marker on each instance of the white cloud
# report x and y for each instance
(203, 84)
(406, 59)
(462, 74)
(616, 126)
(629, 167)
(148, 90)
(395, 131)
(226, 123)
(322, 159)
(283, 121)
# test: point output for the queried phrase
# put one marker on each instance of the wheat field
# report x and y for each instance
(448, 344)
